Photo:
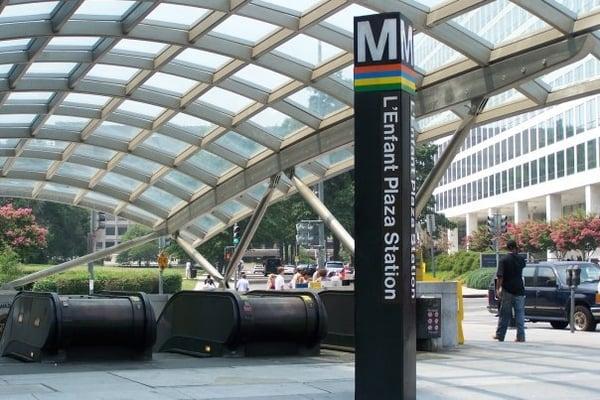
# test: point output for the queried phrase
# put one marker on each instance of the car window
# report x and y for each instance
(589, 272)
(528, 273)
(546, 277)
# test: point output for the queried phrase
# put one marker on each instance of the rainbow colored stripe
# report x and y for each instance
(385, 77)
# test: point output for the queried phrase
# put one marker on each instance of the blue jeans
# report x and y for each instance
(507, 304)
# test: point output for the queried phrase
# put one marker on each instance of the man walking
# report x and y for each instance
(511, 292)
(280, 280)
(242, 285)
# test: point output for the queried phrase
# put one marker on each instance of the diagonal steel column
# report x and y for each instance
(250, 229)
(439, 169)
(80, 260)
(199, 258)
(318, 207)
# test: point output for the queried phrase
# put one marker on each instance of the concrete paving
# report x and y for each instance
(552, 364)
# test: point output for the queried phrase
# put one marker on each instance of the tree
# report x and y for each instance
(143, 253)
(20, 232)
(339, 199)
(480, 240)
(531, 236)
(576, 233)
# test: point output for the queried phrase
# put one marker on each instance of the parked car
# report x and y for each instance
(309, 268)
(289, 269)
(547, 297)
(334, 266)
(258, 269)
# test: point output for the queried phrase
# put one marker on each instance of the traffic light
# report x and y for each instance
(491, 224)
(503, 223)
(101, 220)
(236, 234)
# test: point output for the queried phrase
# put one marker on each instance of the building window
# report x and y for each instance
(570, 161)
(525, 142)
(518, 177)
(497, 183)
(560, 164)
(479, 165)
(541, 135)
(591, 113)
(579, 119)
(497, 153)
(479, 189)
(533, 139)
(511, 179)
(110, 244)
(110, 231)
(570, 129)
(464, 194)
(581, 157)
(560, 128)
(551, 159)
(485, 188)
(518, 144)
(591, 154)
(526, 175)
(534, 172)
(504, 182)
(550, 132)
(484, 155)
(504, 150)
(511, 150)
(99, 245)
(122, 230)
(542, 169)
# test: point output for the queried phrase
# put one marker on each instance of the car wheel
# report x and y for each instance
(559, 324)
(584, 321)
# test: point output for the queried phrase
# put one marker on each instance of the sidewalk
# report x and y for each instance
(473, 293)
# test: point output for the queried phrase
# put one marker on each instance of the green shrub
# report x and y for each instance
(480, 278)
(456, 264)
(76, 282)
(10, 268)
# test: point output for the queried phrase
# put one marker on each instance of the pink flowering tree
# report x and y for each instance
(19, 231)
(576, 233)
(531, 236)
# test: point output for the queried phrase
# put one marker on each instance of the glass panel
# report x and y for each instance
(138, 108)
(117, 131)
(29, 97)
(170, 83)
(191, 124)
(31, 164)
(581, 71)
(344, 18)
(103, 9)
(17, 119)
(210, 162)
(240, 144)
(17, 184)
(14, 44)
(436, 120)
(73, 43)
(345, 75)
(175, 15)
(580, 7)
(308, 50)
(81, 99)
(9, 143)
(142, 47)
(50, 68)
(139, 164)
(560, 164)
(60, 189)
(592, 161)
(295, 5)
(183, 181)
(262, 77)
(500, 22)
(316, 102)
(210, 61)
(508, 96)
(226, 100)
(336, 157)
(100, 199)
(113, 73)
(5, 69)
(231, 207)
(52, 146)
(207, 222)
(160, 198)
(243, 29)
(570, 160)
(165, 144)
(66, 123)
(581, 157)
(28, 11)
(431, 54)
(142, 214)
(276, 123)
(77, 171)
(120, 182)
(97, 153)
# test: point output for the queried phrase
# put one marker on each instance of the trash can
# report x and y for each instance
(193, 273)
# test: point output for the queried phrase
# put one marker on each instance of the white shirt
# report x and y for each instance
(279, 283)
(242, 285)
(188, 265)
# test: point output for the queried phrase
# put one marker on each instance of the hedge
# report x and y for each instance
(456, 264)
(76, 282)
(480, 278)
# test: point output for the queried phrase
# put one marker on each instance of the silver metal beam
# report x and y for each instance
(318, 207)
(27, 279)
(439, 168)
(551, 12)
(199, 258)
(251, 229)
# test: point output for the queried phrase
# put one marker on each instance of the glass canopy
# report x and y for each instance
(175, 114)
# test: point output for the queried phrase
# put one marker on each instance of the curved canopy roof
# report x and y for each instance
(174, 114)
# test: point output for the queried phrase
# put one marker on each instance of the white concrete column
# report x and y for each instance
(553, 212)
(592, 199)
(553, 207)
(471, 223)
(521, 212)
(452, 240)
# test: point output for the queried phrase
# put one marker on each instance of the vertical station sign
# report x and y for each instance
(384, 83)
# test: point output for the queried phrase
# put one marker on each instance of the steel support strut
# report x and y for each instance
(439, 168)
(250, 230)
(318, 207)
(199, 258)
(27, 279)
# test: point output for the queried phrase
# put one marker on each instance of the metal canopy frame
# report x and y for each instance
(130, 152)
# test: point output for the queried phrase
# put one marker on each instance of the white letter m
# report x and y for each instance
(388, 35)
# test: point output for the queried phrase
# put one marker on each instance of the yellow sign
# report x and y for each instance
(163, 261)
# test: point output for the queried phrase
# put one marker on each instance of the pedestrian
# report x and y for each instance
(511, 292)
(297, 278)
(271, 282)
(279, 279)
(209, 283)
(188, 270)
(242, 285)
(240, 267)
